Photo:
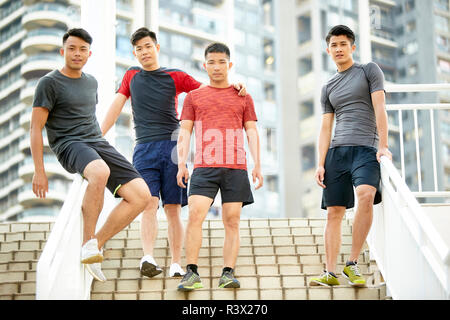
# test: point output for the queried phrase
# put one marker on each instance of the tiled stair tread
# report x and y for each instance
(300, 293)
(211, 223)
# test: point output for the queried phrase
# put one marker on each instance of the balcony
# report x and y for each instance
(56, 195)
(41, 39)
(47, 15)
(39, 64)
(27, 92)
(52, 168)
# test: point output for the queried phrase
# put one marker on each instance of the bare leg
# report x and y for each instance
(135, 197)
(198, 209)
(231, 216)
(175, 231)
(363, 219)
(149, 226)
(332, 236)
(97, 174)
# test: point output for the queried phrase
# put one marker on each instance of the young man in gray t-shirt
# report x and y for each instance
(64, 102)
(355, 96)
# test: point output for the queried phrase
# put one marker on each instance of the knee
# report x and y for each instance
(366, 196)
(151, 204)
(195, 217)
(172, 211)
(231, 223)
(97, 173)
(335, 214)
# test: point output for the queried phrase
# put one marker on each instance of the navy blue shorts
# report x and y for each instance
(156, 162)
(349, 166)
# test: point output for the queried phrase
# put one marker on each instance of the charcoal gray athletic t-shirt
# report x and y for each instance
(348, 95)
(71, 104)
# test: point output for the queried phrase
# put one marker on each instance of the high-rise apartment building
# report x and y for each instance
(31, 36)
(31, 32)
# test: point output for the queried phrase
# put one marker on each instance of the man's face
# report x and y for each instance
(217, 66)
(340, 49)
(76, 53)
(146, 51)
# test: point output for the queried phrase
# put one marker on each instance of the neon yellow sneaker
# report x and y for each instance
(353, 274)
(326, 279)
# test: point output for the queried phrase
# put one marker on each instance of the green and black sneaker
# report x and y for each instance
(190, 281)
(227, 280)
(353, 274)
(326, 279)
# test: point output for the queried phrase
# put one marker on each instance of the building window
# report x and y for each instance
(308, 157)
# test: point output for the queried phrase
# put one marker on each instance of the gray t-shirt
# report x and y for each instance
(71, 104)
(348, 95)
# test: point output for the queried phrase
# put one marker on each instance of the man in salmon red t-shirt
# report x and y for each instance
(219, 116)
(154, 93)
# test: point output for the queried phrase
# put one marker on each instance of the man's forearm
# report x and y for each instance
(382, 127)
(324, 145)
(113, 113)
(254, 146)
(37, 149)
(183, 144)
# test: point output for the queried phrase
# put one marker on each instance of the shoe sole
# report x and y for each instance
(93, 259)
(177, 275)
(314, 283)
(149, 270)
(230, 284)
(88, 267)
(195, 286)
(359, 285)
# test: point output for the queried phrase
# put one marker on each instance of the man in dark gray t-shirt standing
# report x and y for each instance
(355, 96)
(65, 103)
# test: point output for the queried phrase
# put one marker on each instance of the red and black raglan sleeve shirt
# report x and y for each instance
(154, 100)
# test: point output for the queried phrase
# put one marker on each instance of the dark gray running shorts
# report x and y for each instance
(78, 155)
(349, 166)
(233, 184)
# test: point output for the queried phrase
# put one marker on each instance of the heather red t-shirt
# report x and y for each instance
(219, 115)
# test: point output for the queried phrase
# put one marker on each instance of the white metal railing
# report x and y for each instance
(396, 88)
(60, 274)
(411, 254)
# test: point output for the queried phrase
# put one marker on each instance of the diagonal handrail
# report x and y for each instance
(410, 252)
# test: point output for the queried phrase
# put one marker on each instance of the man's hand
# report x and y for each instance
(320, 174)
(40, 184)
(256, 174)
(384, 152)
(182, 176)
(241, 88)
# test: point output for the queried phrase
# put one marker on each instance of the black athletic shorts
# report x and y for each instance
(233, 184)
(78, 155)
(349, 166)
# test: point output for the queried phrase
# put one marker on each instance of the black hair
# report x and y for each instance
(79, 33)
(341, 30)
(217, 47)
(142, 33)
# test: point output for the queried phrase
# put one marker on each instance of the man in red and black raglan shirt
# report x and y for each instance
(154, 94)
(219, 117)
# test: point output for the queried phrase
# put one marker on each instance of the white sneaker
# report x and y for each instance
(149, 267)
(90, 253)
(95, 269)
(176, 270)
